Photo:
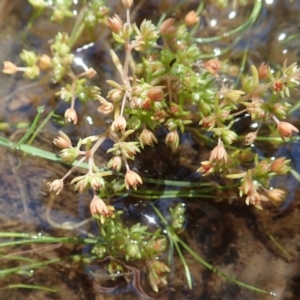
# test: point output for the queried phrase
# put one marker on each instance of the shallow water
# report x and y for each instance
(234, 238)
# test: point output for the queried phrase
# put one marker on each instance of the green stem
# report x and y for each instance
(275, 139)
(185, 266)
(295, 174)
(28, 267)
(17, 258)
(36, 239)
(242, 66)
(37, 152)
(210, 267)
(198, 12)
(40, 110)
(252, 18)
(32, 287)
(78, 28)
(29, 25)
(279, 246)
(42, 125)
(169, 12)
(168, 196)
(222, 52)
(177, 183)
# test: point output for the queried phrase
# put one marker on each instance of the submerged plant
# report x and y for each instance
(164, 82)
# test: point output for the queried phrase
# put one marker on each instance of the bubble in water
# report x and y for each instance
(273, 294)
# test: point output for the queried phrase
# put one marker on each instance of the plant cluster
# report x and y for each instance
(163, 83)
(133, 244)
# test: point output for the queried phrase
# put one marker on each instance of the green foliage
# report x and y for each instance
(163, 82)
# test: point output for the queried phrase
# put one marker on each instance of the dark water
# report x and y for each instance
(234, 238)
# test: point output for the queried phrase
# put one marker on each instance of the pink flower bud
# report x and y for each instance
(127, 3)
(172, 139)
(256, 199)
(156, 93)
(147, 138)
(132, 179)
(191, 18)
(9, 67)
(115, 163)
(118, 124)
(280, 166)
(167, 27)
(219, 154)
(263, 71)
(212, 66)
(276, 196)
(98, 207)
(286, 129)
(278, 86)
(207, 167)
(115, 23)
(45, 62)
(62, 141)
(71, 115)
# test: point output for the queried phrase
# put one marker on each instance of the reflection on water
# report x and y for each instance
(233, 237)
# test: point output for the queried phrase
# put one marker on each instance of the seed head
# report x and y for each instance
(90, 73)
(250, 138)
(56, 186)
